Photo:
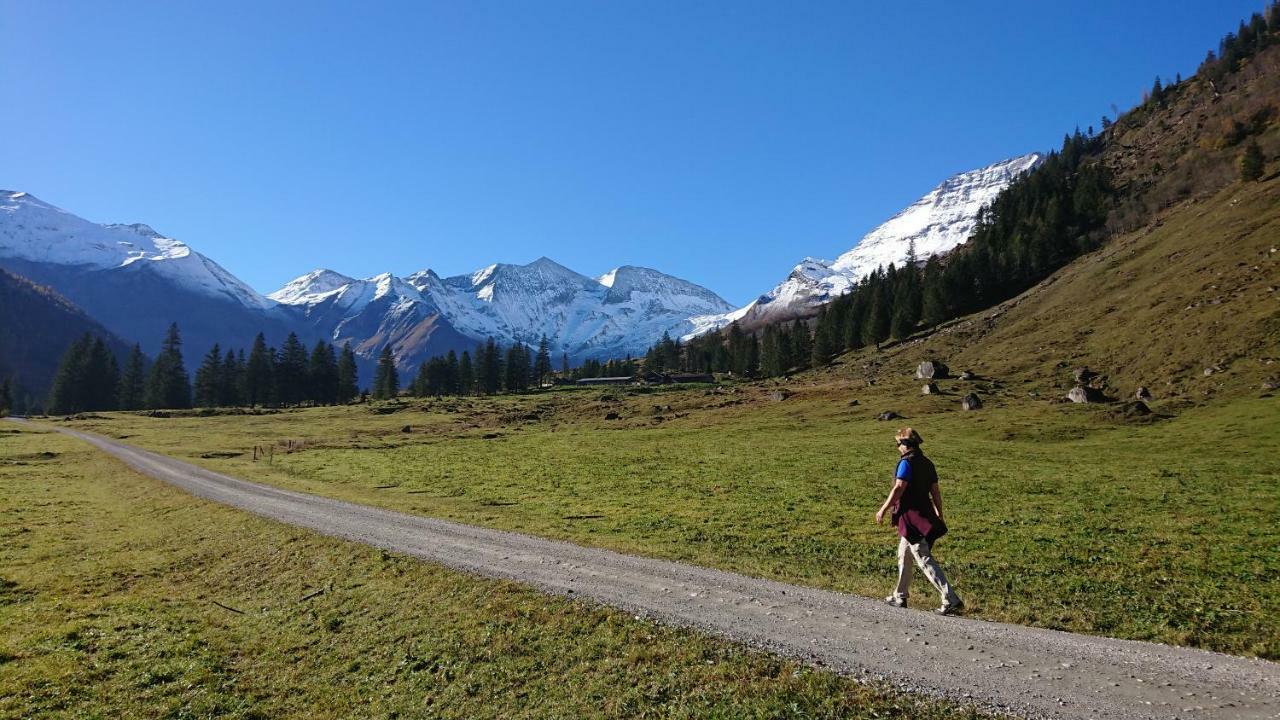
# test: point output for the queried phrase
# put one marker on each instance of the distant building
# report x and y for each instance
(626, 380)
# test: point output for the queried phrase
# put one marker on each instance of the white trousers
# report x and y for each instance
(923, 555)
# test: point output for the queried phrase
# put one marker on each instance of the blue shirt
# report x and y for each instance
(904, 470)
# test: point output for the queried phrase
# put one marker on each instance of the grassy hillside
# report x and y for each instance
(108, 609)
(1198, 289)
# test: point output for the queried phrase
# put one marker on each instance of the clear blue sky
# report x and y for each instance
(720, 142)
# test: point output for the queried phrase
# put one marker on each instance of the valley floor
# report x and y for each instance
(1062, 516)
(123, 597)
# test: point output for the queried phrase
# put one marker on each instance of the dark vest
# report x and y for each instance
(915, 516)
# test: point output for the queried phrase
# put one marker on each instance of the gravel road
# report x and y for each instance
(1023, 671)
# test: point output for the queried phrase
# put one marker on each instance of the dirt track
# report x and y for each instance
(1024, 671)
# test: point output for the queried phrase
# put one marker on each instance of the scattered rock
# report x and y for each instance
(967, 375)
(853, 403)
(1212, 369)
(931, 370)
(779, 395)
(1143, 393)
(611, 416)
(1083, 375)
(1271, 384)
(971, 402)
(406, 429)
(888, 415)
(1084, 394)
(929, 389)
(1137, 407)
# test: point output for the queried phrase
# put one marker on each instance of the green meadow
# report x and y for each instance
(123, 597)
(1078, 518)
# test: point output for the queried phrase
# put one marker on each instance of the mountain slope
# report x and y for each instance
(932, 225)
(132, 279)
(37, 325)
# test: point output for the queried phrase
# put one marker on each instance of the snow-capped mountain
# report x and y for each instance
(132, 279)
(933, 225)
(136, 281)
(622, 312)
(35, 231)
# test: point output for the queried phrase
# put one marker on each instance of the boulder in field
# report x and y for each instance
(406, 429)
(929, 389)
(1083, 375)
(1085, 394)
(967, 375)
(888, 415)
(971, 402)
(931, 370)
(779, 395)
(1143, 393)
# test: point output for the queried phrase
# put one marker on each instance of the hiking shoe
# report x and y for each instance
(950, 608)
(896, 601)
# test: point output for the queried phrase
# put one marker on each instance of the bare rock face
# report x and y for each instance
(1083, 375)
(1143, 393)
(1084, 394)
(888, 415)
(929, 389)
(931, 370)
(971, 402)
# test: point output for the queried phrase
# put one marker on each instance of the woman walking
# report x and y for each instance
(916, 506)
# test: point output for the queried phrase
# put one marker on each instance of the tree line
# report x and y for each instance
(1040, 222)
(89, 377)
(489, 370)
(1260, 32)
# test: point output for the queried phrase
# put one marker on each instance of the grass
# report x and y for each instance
(1062, 516)
(112, 605)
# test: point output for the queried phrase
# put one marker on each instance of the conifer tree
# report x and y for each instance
(824, 342)
(322, 374)
(421, 381)
(490, 371)
(770, 362)
(208, 380)
(103, 377)
(231, 380)
(386, 381)
(1252, 163)
(452, 374)
(801, 344)
(132, 381)
(291, 372)
(466, 374)
(258, 371)
(168, 385)
(6, 398)
(542, 367)
(348, 375)
(564, 363)
(69, 381)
